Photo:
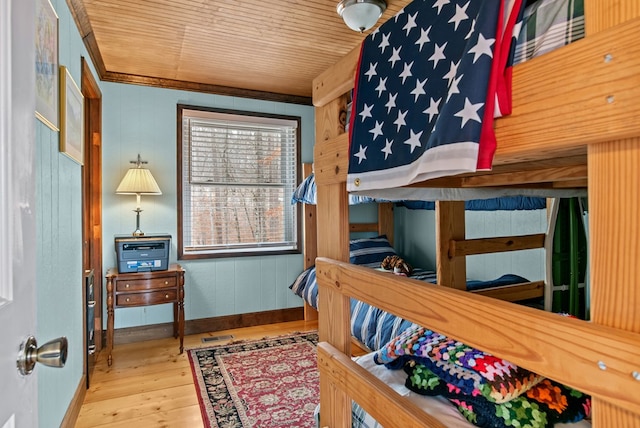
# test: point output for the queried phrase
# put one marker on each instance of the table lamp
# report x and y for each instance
(138, 181)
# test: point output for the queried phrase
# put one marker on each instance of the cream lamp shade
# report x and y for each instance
(138, 181)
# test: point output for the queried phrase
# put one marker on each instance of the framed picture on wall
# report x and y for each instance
(71, 117)
(47, 68)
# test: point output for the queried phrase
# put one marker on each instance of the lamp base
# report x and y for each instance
(137, 232)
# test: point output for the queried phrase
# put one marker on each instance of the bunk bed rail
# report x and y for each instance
(594, 359)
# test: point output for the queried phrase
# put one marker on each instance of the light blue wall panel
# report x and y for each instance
(416, 241)
(59, 271)
(415, 236)
(59, 255)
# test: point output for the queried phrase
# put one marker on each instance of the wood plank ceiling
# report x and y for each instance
(252, 48)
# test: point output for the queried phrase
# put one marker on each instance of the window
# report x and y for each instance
(237, 171)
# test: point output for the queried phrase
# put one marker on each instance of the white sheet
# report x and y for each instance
(466, 194)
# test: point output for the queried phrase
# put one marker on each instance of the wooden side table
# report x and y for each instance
(128, 290)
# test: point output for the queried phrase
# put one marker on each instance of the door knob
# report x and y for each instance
(52, 354)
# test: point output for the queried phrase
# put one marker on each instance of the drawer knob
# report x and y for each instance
(166, 283)
(128, 299)
(126, 286)
(166, 296)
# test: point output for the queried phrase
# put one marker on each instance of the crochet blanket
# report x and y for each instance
(488, 391)
(544, 405)
(460, 365)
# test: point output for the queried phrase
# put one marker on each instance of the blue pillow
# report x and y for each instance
(370, 252)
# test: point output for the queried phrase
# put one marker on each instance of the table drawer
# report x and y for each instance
(145, 284)
(149, 298)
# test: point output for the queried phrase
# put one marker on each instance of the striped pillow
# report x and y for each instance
(370, 251)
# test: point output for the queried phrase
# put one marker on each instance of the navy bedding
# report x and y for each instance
(369, 325)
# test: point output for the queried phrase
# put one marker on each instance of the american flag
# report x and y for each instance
(425, 83)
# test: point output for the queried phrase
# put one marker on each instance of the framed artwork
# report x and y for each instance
(71, 117)
(47, 68)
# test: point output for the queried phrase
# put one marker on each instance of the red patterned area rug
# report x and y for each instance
(272, 382)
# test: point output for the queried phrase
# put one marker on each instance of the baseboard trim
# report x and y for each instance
(71, 416)
(204, 325)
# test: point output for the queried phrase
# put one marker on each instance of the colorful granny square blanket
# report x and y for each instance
(488, 391)
(544, 405)
(457, 364)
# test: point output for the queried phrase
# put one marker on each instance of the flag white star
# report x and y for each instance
(372, 71)
(461, 15)
(453, 87)
(395, 56)
(483, 47)
(414, 140)
(400, 120)
(419, 89)
(376, 130)
(387, 149)
(434, 108)
(406, 72)
(469, 112)
(398, 14)
(411, 23)
(392, 102)
(384, 43)
(438, 54)
(366, 111)
(382, 86)
(424, 38)
(362, 154)
(439, 4)
(453, 69)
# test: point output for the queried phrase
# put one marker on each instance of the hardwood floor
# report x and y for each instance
(150, 385)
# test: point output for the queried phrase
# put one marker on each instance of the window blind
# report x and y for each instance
(238, 176)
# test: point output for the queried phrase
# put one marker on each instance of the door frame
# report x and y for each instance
(92, 199)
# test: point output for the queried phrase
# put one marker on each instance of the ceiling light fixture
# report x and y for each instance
(360, 15)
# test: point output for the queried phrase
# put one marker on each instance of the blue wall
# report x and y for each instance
(415, 231)
(139, 119)
(59, 273)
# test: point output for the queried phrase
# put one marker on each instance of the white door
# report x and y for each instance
(18, 394)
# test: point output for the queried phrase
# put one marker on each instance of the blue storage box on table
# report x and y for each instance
(142, 253)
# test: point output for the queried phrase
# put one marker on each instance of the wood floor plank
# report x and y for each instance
(135, 384)
(150, 385)
(138, 405)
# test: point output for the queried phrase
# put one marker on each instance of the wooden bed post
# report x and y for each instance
(332, 198)
(310, 225)
(614, 211)
(385, 220)
(451, 271)
(310, 240)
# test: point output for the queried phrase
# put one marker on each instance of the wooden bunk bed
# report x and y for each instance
(591, 134)
(451, 239)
